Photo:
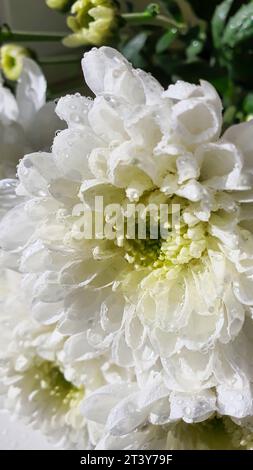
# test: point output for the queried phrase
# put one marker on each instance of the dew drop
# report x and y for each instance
(77, 118)
(187, 410)
(116, 73)
(27, 163)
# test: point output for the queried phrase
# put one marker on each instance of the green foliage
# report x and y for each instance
(132, 49)
(219, 21)
(248, 104)
(239, 27)
(166, 40)
(182, 39)
(216, 45)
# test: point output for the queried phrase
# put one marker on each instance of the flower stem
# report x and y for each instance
(7, 35)
(146, 17)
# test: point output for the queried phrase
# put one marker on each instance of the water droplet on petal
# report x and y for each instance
(187, 410)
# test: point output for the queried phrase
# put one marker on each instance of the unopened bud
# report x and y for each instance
(92, 22)
(60, 5)
(11, 60)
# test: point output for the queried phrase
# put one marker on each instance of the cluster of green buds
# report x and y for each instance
(92, 22)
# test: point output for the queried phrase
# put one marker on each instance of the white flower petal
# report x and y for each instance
(241, 136)
(35, 172)
(83, 142)
(235, 402)
(192, 408)
(31, 91)
(8, 106)
(220, 165)
(105, 121)
(126, 416)
(107, 71)
(74, 109)
(77, 348)
(97, 406)
(16, 228)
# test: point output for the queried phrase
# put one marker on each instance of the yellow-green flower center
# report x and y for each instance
(183, 245)
(50, 378)
(142, 253)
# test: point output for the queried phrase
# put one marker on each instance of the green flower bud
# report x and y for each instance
(60, 5)
(11, 60)
(92, 22)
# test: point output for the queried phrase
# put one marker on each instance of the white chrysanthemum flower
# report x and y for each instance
(27, 122)
(37, 383)
(32, 373)
(177, 311)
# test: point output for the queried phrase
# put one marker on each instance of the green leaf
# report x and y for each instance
(197, 43)
(219, 21)
(166, 40)
(135, 45)
(239, 27)
(194, 48)
(229, 116)
(248, 104)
